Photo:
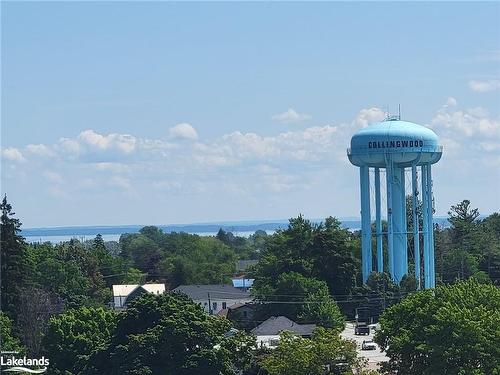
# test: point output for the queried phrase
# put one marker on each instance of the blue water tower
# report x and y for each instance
(395, 146)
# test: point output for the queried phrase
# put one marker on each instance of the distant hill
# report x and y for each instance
(240, 226)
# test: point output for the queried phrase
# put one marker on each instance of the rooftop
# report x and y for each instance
(126, 289)
(216, 291)
(277, 324)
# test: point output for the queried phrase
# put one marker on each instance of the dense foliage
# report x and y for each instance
(454, 329)
(301, 299)
(170, 334)
(470, 247)
(323, 251)
(325, 353)
(8, 342)
(14, 261)
(72, 337)
(179, 258)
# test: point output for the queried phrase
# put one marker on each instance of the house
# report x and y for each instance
(242, 315)
(267, 333)
(214, 297)
(123, 294)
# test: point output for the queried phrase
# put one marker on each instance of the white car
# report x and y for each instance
(368, 345)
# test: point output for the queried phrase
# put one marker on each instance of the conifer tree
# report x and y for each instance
(13, 267)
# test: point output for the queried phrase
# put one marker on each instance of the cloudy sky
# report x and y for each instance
(158, 113)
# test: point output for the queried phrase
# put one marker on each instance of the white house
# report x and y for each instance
(268, 332)
(123, 294)
(214, 298)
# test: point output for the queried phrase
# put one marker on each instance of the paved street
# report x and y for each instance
(374, 356)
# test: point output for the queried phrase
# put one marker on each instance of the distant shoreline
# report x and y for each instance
(84, 231)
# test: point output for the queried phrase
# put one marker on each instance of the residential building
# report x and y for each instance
(267, 333)
(242, 315)
(215, 297)
(123, 294)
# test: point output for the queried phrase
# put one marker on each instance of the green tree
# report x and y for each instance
(8, 342)
(490, 262)
(14, 260)
(325, 353)
(75, 335)
(375, 296)
(198, 260)
(323, 251)
(170, 334)
(69, 271)
(300, 299)
(469, 248)
(454, 329)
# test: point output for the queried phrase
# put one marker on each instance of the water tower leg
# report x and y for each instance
(398, 224)
(366, 230)
(390, 231)
(416, 239)
(378, 223)
(425, 229)
(404, 232)
(430, 207)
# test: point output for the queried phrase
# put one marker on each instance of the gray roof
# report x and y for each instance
(275, 325)
(216, 291)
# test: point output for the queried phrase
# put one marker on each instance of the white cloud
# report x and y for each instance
(451, 102)
(121, 142)
(237, 163)
(112, 167)
(250, 145)
(471, 122)
(183, 131)
(40, 150)
(485, 86)
(13, 154)
(367, 116)
(69, 146)
(291, 116)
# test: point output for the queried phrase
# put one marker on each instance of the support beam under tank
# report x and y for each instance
(378, 223)
(416, 238)
(366, 231)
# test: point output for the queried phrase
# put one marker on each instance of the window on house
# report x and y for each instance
(214, 306)
(274, 342)
(224, 305)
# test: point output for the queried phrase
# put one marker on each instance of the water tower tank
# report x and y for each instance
(406, 142)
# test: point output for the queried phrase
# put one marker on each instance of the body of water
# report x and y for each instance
(115, 237)
(113, 233)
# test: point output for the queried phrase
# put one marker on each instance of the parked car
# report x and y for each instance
(361, 329)
(368, 345)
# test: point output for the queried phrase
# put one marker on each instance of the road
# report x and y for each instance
(374, 356)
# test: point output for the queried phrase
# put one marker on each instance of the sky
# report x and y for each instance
(159, 113)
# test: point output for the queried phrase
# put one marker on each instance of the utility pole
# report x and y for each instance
(209, 304)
